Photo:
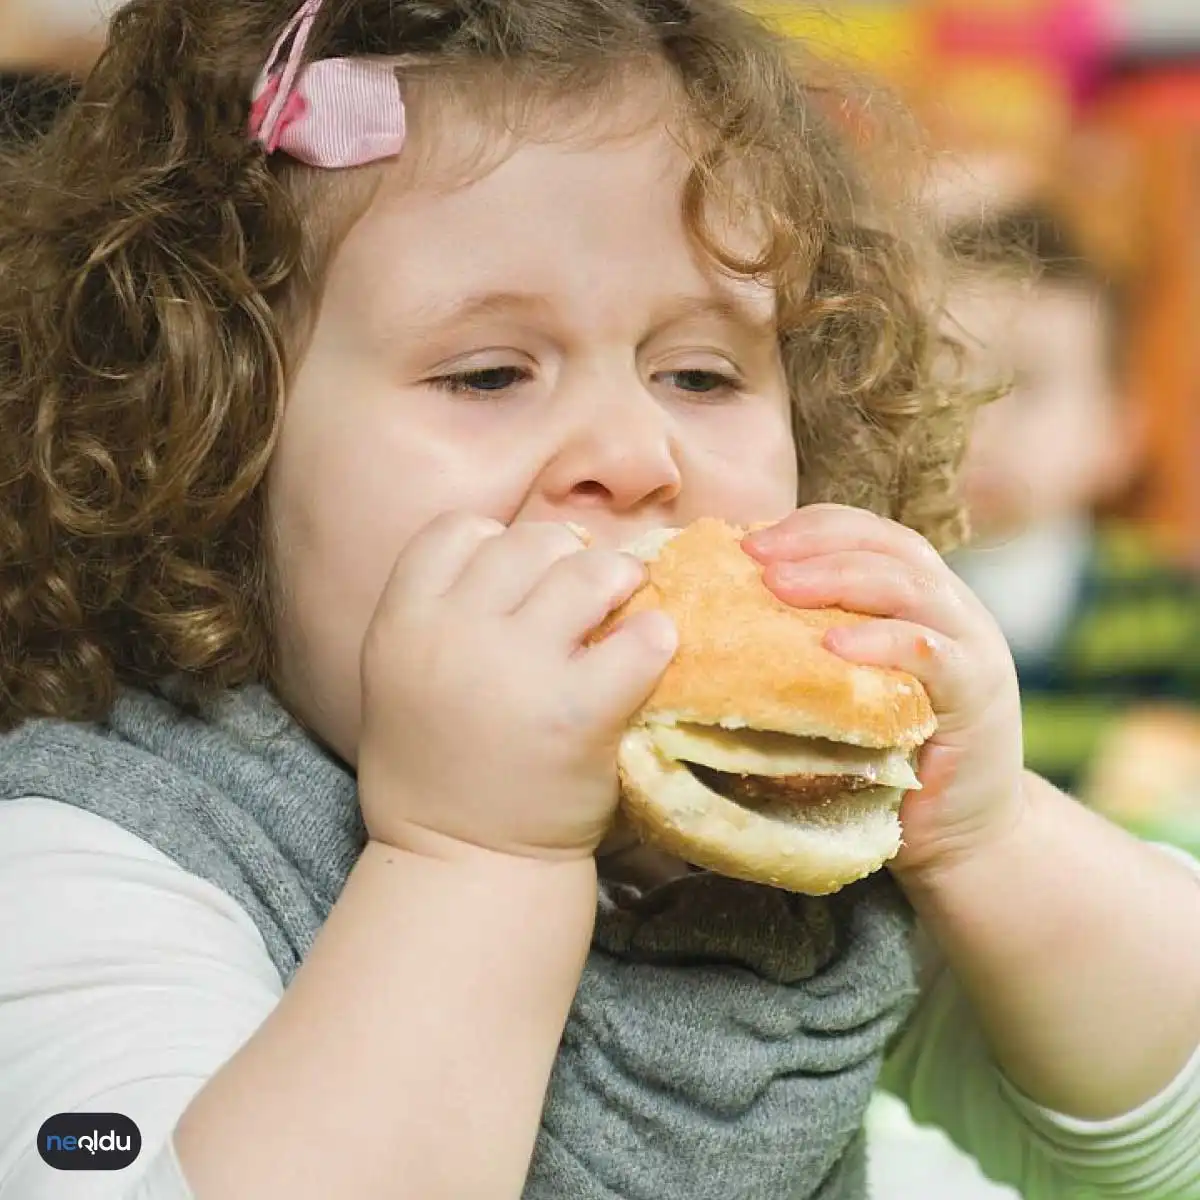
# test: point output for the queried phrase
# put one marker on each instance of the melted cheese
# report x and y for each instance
(755, 752)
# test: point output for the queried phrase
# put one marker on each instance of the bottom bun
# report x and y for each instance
(814, 849)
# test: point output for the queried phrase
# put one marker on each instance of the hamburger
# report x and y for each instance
(761, 755)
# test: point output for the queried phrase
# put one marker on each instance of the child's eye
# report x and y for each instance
(485, 381)
(701, 383)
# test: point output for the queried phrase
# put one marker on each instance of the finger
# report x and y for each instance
(438, 553)
(874, 583)
(576, 593)
(936, 660)
(825, 528)
(623, 668)
(504, 570)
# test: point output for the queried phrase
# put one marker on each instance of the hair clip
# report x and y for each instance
(335, 112)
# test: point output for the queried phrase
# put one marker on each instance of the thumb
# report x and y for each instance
(625, 666)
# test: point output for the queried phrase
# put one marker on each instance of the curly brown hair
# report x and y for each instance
(159, 274)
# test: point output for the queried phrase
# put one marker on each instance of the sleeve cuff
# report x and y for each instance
(1156, 1116)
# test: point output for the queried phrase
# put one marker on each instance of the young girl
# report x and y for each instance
(318, 329)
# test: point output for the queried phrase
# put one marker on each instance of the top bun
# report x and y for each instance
(748, 660)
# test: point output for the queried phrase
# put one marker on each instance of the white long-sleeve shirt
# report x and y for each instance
(126, 983)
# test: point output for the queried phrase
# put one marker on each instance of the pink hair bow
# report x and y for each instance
(336, 112)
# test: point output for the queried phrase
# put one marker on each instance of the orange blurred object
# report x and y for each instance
(1154, 120)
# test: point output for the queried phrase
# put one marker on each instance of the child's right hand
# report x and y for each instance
(487, 721)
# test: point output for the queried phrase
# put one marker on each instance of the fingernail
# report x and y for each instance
(841, 638)
(761, 539)
(634, 570)
(660, 632)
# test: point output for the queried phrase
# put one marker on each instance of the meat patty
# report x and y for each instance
(767, 791)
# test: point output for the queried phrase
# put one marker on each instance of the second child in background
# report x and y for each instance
(1098, 618)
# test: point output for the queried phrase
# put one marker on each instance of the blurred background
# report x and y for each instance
(1066, 138)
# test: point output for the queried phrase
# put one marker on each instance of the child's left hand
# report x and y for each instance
(933, 627)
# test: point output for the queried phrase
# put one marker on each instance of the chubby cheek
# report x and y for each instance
(338, 518)
(329, 575)
(1025, 476)
(343, 507)
(747, 467)
(761, 477)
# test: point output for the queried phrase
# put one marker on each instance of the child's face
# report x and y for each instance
(1057, 442)
(595, 345)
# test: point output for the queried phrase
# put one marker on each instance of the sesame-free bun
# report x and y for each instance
(747, 661)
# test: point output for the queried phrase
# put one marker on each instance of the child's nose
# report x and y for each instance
(620, 453)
